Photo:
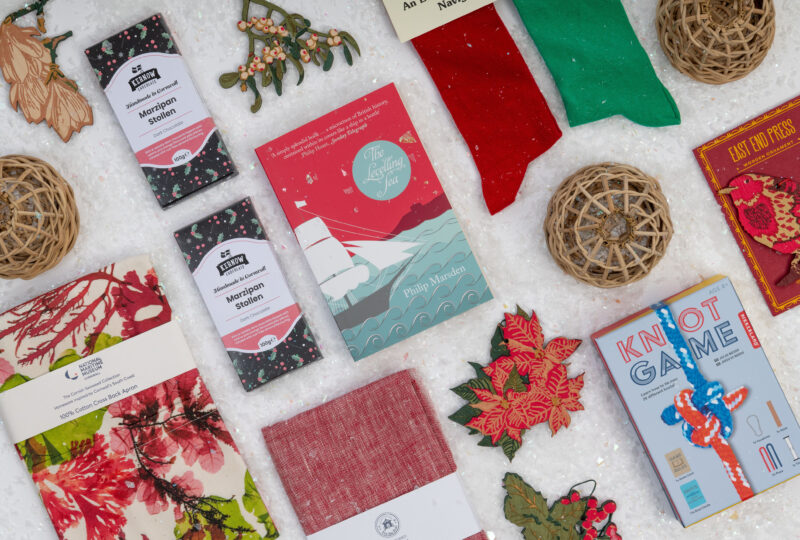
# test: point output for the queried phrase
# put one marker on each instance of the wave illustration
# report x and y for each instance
(440, 281)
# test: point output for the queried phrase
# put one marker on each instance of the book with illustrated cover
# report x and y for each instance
(752, 171)
(373, 221)
(703, 399)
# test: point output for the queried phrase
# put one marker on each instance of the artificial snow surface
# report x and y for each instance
(120, 217)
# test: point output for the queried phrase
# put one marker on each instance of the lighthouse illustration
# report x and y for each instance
(338, 275)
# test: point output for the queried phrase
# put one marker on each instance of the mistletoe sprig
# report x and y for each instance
(526, 384)
(573, 517)
(278, 40)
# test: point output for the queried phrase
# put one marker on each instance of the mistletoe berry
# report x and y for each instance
(575, 496)
(591, 503)
(610, 507)
(241, 25)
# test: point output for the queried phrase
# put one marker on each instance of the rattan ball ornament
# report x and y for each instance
(38, 218)
(716, 41)
(608, 225)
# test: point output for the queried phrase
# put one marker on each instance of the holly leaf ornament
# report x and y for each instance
(572, 517)
(525, 384)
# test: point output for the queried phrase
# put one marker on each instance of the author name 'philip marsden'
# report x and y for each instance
(433, 281)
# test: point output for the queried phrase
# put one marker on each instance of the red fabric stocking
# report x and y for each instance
(492, 97)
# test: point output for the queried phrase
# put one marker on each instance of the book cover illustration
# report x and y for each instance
(374, 223)
(235, 268)
(752, 171)
(703, 399)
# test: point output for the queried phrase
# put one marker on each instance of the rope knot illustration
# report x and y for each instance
(704, 411)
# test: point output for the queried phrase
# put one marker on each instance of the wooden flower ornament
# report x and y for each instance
(277, 40)
(38, 88)
(526, 384)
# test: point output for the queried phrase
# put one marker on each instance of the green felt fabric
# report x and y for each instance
(597, 62)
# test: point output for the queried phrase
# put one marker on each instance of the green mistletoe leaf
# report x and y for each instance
(352, 42)
(228, 80)
(328, 62)
(348, 56)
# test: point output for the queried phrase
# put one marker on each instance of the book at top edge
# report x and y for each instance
(374, 223)
(647, 373)
(769, 146)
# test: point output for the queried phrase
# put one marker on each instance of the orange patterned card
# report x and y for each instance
(754, 175)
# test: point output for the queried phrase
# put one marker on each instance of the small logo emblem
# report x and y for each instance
(387, 525)
(70, 377)
(142, 77)
(231, 262)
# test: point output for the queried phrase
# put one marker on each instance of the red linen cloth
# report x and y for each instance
(492, 98)
(360, 450)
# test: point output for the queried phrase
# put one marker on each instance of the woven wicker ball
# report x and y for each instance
(608, 225)
(716, 41)
(38, 217)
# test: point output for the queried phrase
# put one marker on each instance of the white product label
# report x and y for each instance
(247, 295)
(437, 511)
(159, 109)
(413, 18)
(95, 382)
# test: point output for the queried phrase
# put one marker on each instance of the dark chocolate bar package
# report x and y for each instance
(167, 125)
(235, 268)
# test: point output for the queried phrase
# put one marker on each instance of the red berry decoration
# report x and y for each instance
(568, 518)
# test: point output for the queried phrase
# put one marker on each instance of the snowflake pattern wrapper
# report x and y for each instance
(526, 384)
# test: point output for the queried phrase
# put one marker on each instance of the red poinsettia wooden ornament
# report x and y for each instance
(526, 384)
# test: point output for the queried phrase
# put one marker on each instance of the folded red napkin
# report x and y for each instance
(345, 456)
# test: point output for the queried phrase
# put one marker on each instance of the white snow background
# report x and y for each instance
(120, 217)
